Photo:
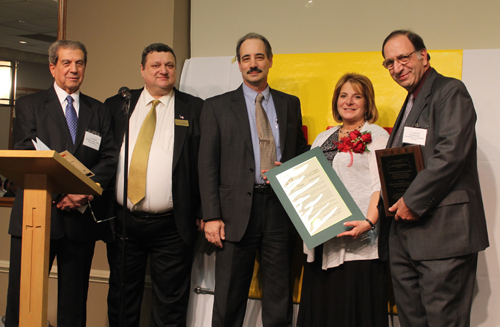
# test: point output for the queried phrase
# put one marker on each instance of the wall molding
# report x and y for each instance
(96, 275)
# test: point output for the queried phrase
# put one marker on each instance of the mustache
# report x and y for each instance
(254, 69)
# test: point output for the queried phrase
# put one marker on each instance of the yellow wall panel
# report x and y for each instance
(312, 77)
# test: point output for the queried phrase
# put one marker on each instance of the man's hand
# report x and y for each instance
(277, 163)
(214, 232)
(403, 212)
(72, 201)
(360, 227)
(201, 225)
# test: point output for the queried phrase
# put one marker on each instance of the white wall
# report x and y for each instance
(479, 70)
(311, 26)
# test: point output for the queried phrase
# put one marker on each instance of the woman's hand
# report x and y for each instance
(277, 163)
(359, 227)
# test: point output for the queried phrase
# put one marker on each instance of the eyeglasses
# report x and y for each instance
(402, 59)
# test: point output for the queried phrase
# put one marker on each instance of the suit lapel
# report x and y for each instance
(281, 112)
(421, 100)
(181, 111)
(121, 117)
(53, 107)
(134, 99)
(419, 104)
(85, 114)
(239, 109)
(397, 123)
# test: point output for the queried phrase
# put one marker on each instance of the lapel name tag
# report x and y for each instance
(92, 140)
(182, 122)
(413, 135)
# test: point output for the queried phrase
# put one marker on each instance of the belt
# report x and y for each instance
(148, 215)
(262, 188)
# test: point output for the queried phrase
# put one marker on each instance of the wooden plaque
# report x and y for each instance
(397, 168)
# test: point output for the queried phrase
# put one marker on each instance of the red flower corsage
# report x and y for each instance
(354, 143)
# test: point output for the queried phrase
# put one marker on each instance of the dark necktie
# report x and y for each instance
(71, 117)
(401, 127)
(266, 138)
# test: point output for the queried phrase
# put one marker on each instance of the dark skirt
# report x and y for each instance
(353, 294)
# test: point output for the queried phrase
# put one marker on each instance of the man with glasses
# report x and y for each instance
(439, 225)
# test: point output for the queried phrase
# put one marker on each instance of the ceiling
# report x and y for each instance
(30, 21)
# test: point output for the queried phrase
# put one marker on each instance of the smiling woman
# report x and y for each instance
(345, 273)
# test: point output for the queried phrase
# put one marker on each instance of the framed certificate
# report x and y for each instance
(397, 168)
(315, 199)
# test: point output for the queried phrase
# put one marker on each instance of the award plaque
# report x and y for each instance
(315, 199)
(397, 168)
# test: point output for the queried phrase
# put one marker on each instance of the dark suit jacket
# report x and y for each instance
(446, 194)
(40, 115)
(227, 160)
(185, 190)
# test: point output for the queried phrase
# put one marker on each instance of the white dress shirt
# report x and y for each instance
(158, 197)
(61, 95)
(361, 180)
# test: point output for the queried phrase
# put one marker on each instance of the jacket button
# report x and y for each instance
(249, 194)
(251, 170)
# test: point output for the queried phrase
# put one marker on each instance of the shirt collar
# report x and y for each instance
(61, 94)
(251, 94)
(165, 100)
(421, 83)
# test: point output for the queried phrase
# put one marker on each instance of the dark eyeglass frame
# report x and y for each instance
(403, 59)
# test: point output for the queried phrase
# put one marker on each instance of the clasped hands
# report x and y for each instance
(70, 202)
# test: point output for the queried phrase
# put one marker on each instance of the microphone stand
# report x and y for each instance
(123, 297)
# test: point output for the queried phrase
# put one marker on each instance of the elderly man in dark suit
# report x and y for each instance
(160, 219)
(439, 224)
(243, 133)
(64, 119)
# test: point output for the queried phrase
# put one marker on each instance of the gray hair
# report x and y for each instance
(65, 44)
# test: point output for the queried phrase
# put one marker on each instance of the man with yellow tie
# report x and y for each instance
(163, 198)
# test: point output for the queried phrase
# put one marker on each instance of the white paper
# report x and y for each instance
(413, 135)
(92, 140)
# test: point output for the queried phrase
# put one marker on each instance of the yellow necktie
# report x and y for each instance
(266, 138)
(139, 163)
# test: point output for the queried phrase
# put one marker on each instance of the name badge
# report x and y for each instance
(413, 135)
(92, 140)
(182, 122)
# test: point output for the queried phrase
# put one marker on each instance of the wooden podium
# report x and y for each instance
(40, 174)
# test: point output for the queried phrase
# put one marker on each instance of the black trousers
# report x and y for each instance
(155, 237)
(74, 260)
(269, 234)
